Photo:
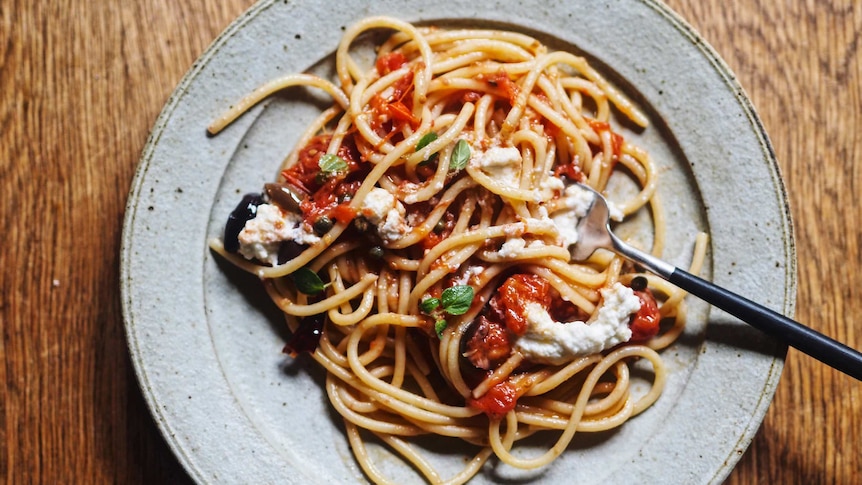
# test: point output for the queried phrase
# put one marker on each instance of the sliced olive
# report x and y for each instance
(244, 212)
(289, 250)
(639, 283)
(285, 196)
(307, 336)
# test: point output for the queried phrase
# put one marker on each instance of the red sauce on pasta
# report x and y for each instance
(498, 401)
(514, 295)
(645, 323)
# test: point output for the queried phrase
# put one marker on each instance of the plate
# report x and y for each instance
(206, 347)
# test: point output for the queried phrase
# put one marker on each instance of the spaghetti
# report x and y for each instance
(416, 241)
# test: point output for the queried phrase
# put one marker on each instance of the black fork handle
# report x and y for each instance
(823, 348)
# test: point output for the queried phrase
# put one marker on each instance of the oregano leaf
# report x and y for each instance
(428, 305)
(456, 300)
(460, 155)
(307, 281)
(439, 326)
(332, 164)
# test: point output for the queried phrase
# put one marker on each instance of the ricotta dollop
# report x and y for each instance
(547, 341)
(383, 210)
(262, 235)
(500, 163)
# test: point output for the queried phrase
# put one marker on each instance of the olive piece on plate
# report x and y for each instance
(284, 195)
(244, 212)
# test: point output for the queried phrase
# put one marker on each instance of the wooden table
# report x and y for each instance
(81, 84)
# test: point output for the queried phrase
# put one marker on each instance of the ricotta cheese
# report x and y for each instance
(550, 342)
(567, 227)
(261, 236)
(552, 183)
(512, 247)
(468, 274)
(614, 212)
(500, 163)
(576, 202)
(394, 227)
(377, 205)
(383, 210)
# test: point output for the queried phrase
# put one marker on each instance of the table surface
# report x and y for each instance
(81, 84)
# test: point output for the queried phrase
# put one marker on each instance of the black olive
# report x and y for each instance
(639, 283)
(289, 250)
(244, 212)
(322, 225)
(440, 226)
(307, 336)
(285, 196)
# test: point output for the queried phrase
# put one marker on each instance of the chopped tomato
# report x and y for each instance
(391, 61)
(508, 89)
(645, 323)
(402, 86)
(489, 345)
(446, 225)
(498, 401)
(343, 212)
(471, 97)
(616, 138)
(331, 200)
(303, 174)
(399, 112)
(571, 171)
(513, 296)
(389, 115)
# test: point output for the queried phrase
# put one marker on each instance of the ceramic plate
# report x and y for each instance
(206, 346)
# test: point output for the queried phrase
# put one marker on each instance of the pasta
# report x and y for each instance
(417, 242)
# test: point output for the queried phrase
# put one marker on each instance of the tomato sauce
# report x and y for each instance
(389, 62)
(326, 196)
(645, 323)
(514, 295)
(304, 173)
(389, 115)
(489, 345)
(571, 171)
(444, 229)
(331, 200)
(508, 89)
(498, 401)
(616, 138)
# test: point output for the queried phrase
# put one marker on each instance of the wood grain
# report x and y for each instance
(81, 83)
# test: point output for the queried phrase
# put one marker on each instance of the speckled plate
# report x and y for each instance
(207, 348)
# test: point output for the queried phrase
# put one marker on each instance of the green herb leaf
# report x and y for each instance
(307, 281)
(439, 326)
(460, 155)
(428, 305)
(423, 142)
(332, 164)
(456, 300)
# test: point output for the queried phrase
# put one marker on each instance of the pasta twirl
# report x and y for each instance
(416, 240)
